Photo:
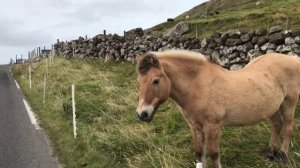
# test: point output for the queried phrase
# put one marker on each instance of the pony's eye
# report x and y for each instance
(156, 82)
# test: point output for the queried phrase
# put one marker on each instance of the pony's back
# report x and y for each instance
(282, 67)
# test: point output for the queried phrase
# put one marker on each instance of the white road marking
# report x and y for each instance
(31, 115)
(17, 84)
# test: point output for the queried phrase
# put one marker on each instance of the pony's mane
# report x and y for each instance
(182, 54)
(151, 59)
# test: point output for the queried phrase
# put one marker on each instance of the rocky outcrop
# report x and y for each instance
(231, 49)
(131, 34)
(178, 30)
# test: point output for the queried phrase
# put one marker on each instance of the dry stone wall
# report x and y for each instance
(232, 49)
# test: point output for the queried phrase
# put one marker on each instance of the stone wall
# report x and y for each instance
(232, 49)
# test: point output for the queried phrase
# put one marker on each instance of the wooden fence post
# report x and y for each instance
(53, 53)
(49, 57)
(288, 22)
(47, 67)
(196, 31)
(73, 51)
(30, 77)
(44, 95)
(74, 110)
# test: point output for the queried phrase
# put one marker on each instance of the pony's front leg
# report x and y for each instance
(212, 133)
(198, 143)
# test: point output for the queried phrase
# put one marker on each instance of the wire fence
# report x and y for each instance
(35, 55)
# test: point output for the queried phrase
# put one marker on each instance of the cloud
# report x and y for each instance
(44, 4)
(97, 10)
(13, 35)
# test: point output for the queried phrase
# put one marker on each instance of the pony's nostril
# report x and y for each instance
(144, 115)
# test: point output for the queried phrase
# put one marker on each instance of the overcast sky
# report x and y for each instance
(27, 24)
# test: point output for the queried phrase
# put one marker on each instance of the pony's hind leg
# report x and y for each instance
(288, 111)
(273, 151)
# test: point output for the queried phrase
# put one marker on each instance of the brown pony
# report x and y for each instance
(211, 97)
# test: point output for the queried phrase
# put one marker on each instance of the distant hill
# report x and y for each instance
(215, 6)
(215, 15)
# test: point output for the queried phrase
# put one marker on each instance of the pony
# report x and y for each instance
(211, 97)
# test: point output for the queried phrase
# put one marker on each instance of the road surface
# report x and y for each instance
(22, 144)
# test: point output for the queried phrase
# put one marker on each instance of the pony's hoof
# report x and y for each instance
(268, 154)
(280, 156)
(275, 155)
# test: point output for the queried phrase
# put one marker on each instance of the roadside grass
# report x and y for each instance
(243, 17)
(109, 133)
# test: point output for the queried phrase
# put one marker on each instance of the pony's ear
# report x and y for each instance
(146, 62)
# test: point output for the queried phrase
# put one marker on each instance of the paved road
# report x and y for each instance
(21, 144)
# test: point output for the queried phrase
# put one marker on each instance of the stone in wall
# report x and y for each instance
(233, 42)
(296, 32)
(276, 38)
(289, 41)
(262, 40)
(284, 49)
(254, 40)
(297, 40)
(235, 34)
(261, 32)
(245, 38)
(287, 33)
(268, 46)
(275, 29)
(296, 48)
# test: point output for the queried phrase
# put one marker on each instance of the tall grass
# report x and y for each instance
(109, 133)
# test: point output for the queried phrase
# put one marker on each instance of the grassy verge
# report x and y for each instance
(109, 133)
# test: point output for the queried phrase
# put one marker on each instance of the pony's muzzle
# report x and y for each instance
(145, 114)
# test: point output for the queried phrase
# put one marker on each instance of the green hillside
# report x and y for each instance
(237, 14)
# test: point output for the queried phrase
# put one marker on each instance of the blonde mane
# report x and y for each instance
(151, 59)
(180, 54)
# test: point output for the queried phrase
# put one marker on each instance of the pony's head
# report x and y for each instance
(154, 85)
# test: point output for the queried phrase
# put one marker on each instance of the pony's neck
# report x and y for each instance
(185, 77)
